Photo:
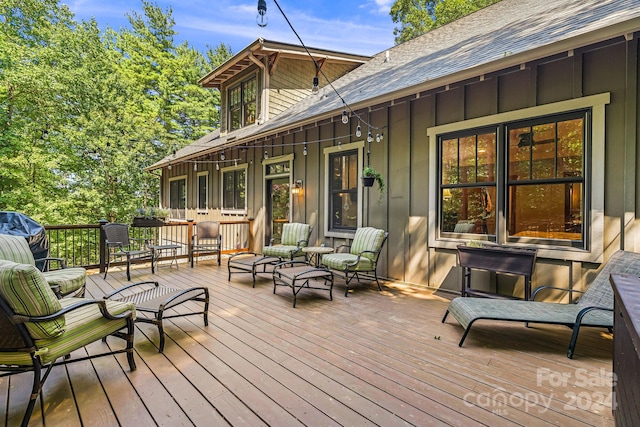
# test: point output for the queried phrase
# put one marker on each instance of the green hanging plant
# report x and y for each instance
(370, 176)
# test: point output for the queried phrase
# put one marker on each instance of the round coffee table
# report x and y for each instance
(316, 252)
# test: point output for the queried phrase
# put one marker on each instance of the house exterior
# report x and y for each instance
(517, 124)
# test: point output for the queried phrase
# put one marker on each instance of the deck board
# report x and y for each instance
(373, 358)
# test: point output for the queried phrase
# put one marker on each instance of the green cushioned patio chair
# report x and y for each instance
(359, 258)
(64, 281)
(594, 308)
(295, 236)
(38, 331)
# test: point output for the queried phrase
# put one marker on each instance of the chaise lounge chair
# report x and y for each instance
(595, 307)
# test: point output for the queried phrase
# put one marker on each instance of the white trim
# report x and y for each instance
(595, 242)
(359, 146)
(270, 161)
(186, 193)
(224, 211)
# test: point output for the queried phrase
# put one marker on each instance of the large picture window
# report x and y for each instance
(530, 177)
(468, 182)
(234, 189)
(242, 104)
(546, 178)
(543, 177)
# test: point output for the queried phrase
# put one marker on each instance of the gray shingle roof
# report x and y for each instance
(492, 38)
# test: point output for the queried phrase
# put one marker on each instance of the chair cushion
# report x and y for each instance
(16, 249)
(281, 251)
(68, 279)
(339, 261)
(367, 239)
(293, 232)
(466, 310)
(83, 326)
(27, 292)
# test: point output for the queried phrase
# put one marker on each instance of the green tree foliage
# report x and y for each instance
(83, 112)
(417, 17)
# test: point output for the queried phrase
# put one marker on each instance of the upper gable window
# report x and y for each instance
(242, 104)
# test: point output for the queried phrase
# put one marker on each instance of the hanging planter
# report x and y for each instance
(369, 176)
(368, 181)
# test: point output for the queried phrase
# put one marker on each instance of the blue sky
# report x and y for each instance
(359, 26)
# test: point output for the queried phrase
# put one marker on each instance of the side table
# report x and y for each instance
(156, 252)
(150, 297)
(314, 253)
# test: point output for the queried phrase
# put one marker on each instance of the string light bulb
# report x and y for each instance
(369, 137)
(358, 131)
(378, 137)
(217, 166)
(195, 167)
(235, 162)
(222, 156)
(304, 150)
(266, 154)
(169, 167)
(345, 116)
(261, 18)
(315, 88)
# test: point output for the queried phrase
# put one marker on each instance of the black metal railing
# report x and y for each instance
(84, 245)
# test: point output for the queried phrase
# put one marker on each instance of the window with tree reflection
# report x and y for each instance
(540, 186)
(546, 178)
(343, 187)
(468, 182)
(242, 104)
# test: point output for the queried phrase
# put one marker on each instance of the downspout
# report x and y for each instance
(264, 98)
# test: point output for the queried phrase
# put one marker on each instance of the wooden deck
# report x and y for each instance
(369, 359)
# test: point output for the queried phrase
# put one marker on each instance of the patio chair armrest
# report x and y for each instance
(539, 288)
(18, 318)
(44, 261)
(303, 243)
(343, 248)
(273, 240)
(131, 285)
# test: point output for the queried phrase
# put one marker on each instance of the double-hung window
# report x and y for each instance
(203, 191)
(343, 166)
(178, 196)
(530, 177)
(242, 104)
(234, 189)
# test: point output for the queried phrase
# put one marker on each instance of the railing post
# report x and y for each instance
(103, 245)
(189, 237)
(250, 234)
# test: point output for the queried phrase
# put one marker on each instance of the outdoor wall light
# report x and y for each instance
(296, 188)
